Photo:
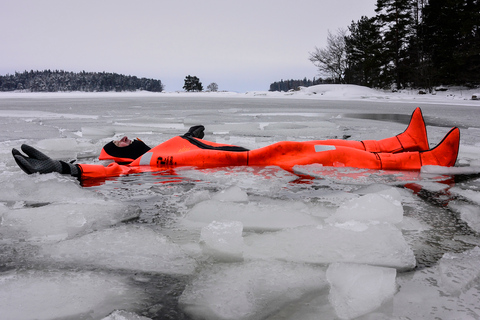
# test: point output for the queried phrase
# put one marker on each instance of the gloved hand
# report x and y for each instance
(37, 162)
(196, 131)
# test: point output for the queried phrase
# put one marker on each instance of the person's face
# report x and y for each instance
(124, 142)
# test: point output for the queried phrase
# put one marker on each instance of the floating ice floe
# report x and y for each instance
(54, 222)
(459, 270)
(379, 244)
(46, 295)
(251, 290)
(448, 290)
(125, 247)
(255, 216)
(124, 315)
(359, 289)
(370, 207)
(223, 240)
(468, 213)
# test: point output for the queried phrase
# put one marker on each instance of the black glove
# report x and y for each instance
(196, 131)
(37, 162)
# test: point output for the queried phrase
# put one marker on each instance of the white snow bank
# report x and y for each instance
(338, 91)
(359, 289)
(125, 247)
(64, 294)
(250, 290)
(379, 244)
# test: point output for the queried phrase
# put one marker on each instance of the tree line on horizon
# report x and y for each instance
(287, 85)
(54, 81)
(407, 44)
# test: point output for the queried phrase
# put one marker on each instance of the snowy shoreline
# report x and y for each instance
(454, 95)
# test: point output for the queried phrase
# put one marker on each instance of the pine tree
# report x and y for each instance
(364, 53)
(192, 83)
(395, 18)
(452, 39)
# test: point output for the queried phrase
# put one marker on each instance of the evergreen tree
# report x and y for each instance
(295, 84)
(395, 18)
(52, 81)
(452, 40)
(364, 54)
(192, 83)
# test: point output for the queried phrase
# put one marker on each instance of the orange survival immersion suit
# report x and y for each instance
(406, 151)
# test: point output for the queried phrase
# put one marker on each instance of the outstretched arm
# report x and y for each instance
(37, 162)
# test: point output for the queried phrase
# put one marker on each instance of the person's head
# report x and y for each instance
(123, 150)
(124, 142)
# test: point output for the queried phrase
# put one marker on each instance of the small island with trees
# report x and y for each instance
(55, 81)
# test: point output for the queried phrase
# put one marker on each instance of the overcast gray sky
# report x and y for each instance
(241, 45)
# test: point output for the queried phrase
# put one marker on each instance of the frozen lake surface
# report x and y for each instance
(237, 243)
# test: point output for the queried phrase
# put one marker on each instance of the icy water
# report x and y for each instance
(236, 243)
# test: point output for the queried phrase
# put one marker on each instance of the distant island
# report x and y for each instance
(288, 85)
(55, 81)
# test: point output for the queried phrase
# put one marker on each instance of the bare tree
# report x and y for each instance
(212, 87)
(332, 60)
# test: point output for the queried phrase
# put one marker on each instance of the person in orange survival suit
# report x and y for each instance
(406, 151)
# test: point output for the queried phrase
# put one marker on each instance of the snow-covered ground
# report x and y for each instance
(238, 243)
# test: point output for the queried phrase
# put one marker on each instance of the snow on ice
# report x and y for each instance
(238, 243)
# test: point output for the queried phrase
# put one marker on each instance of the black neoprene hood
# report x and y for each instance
(133, 151)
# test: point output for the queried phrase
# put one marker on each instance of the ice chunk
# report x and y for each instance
(468, 213)
(468, 194)
(197, 197)
(124, 247)
(379, 244)
(124, 315)
(421, 295)
(250, 290)
(459, 270)
(53, 222)
(356, 176)
(412, 224)
(359, 289)
(433, 186)
(64, 294)
(233, 194)
(44, 188)
(450, 170)
(370, 207)
(223, 240)
(62, 144)
(382, 189)
(255, 216)
(98, 132)
(266, 179)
